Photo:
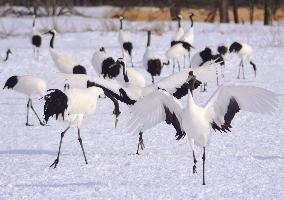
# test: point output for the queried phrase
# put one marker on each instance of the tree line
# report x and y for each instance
(217, 7)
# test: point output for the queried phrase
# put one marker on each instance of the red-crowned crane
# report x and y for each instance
(197, 121)
(125, 43)
(152, 61)
(245, 53)
(30, 86)
(73, 106)
(36, 39)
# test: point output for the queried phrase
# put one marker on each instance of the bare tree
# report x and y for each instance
(223, 11)
(251, 11)
(266, 12)
(235, 11)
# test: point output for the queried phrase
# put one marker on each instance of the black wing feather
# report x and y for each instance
(233, 108)
(55, 104)
(123, 97)
(183, 89)
(172, 119)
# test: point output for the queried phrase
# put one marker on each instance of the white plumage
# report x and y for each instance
(189, 34)
(64, 63)
(135, 78)
(30, 86)
(195, 121)
(82, 101)
(246, 51)
(97, 60)
(178, 51)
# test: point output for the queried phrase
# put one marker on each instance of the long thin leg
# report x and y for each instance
(81, 144)
(66, 86)
(189, 60)
(178, 66)
(153, 79)
(56, 161)
(238, 77)
(28, 109)
(204, 87)
(223, 71)
(203, 158)
(243, 71)
(174, 65)
(37, 53)
(140, 143)
(217, 76)
(122, 52)
(41, 123)
(131, 61)
(194, 161)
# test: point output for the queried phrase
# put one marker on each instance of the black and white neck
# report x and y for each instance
(191, 20)
(34, 20)
(191, 84)
(121, 21)
(125, 76)
(52, 38)
(149, 39)
(179, 20)
(7, 55)
(121, 62)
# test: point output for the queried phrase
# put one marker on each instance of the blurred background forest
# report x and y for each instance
(224, 11)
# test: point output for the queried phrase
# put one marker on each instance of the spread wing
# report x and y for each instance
(151, 110)
(229, 100)
(175, 84)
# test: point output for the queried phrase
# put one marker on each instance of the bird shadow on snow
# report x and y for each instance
(28, 152)
(55, 185)
(267, 157)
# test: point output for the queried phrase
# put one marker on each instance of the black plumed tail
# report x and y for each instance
(254, 67)
(128, 47)
(55, 104)
(171, 118)
(166, 63)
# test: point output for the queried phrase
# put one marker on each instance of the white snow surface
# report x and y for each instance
(247, 163)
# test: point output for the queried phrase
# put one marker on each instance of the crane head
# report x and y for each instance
(52, 32)
(9, 51)
(102, 49)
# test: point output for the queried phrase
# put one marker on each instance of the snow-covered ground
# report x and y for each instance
(244, 164)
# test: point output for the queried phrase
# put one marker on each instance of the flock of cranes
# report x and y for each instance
(150, 104)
